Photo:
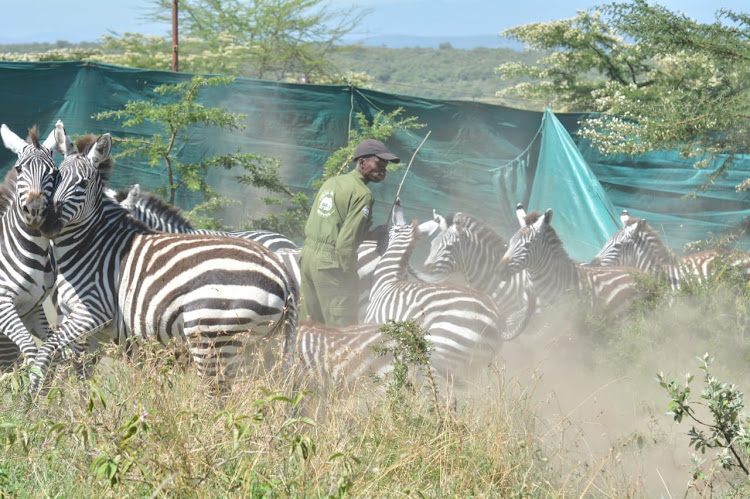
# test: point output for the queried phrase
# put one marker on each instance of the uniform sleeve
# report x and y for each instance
(353, 231)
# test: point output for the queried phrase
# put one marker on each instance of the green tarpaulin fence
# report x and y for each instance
(481, 159)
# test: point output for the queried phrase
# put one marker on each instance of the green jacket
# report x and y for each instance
(338, 222)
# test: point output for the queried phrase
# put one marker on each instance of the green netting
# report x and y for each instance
(481, 159)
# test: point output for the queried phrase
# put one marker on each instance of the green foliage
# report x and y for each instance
(383, 126)
(443, 73)
(269, 39)
(659, 79)
(728, 428)
(175, 118)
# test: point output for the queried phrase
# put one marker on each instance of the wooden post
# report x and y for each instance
(174, 37)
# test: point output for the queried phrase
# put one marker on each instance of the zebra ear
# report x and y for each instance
(129, 202)
(520, 215)
(624, 217)
(11, 140)
(548, 215)
(397, 215)
(101, 149)
(442, 224)
(428, 228)
(63, 144)
(51, 142)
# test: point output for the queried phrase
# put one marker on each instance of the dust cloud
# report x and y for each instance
(598, 404)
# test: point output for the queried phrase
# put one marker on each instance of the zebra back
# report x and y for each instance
(537, 248)
(160, 215)
(464, 325)
(218, 294)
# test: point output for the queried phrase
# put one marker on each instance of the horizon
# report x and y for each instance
(387, 22)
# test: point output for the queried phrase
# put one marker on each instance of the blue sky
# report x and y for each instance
(86, 20)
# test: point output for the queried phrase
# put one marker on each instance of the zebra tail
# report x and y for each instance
(289, 321)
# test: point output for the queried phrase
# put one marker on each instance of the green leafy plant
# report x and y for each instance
(727, 430)
(410, 349)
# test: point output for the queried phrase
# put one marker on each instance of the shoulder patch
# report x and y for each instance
(366, 211)
(325, 205)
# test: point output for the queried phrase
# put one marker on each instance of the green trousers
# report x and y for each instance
(329, 296)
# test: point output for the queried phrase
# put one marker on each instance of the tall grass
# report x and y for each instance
(150, 428)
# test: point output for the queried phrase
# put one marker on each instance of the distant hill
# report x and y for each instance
(458, 68)
(458, 42)
(446, 72)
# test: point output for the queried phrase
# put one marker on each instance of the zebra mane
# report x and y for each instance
(7, 191)
(115, 210)
(84, 145)
(532, 217)
(33, 137)
(149, 202)
(477, 225)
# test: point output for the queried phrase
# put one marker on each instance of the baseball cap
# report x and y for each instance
(373, 147)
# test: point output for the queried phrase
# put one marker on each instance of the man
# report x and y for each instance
(338, 223)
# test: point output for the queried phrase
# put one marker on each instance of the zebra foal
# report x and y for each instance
(636, 244)
(537, 248)
(118, 277)
(339, 356)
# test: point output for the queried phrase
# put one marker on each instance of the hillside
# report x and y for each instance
(443, 73)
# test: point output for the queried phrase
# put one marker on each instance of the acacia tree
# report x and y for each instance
(657, 79)
(268, 39)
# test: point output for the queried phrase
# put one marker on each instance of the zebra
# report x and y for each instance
(464, 325)
(636, 244)
(537, 248)
(339, 356)
(469, 246)
(160, 215)
(27, 272)
(118, 277)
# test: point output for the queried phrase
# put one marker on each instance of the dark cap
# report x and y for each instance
(372, 147)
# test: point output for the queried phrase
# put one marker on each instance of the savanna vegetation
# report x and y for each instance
(655, 79)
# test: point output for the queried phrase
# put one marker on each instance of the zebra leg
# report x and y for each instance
(218, 355)
(10, 354)
(13, 328)
(72, 332)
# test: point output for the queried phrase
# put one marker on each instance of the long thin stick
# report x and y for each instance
(398, 192)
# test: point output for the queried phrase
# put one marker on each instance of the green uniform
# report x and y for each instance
(338, 222)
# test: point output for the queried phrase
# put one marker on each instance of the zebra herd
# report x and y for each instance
(124, 266)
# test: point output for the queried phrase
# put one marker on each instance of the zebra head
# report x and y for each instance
(629, 245)
(34, 173)
(527, 246)
(442, 261)
(83, 176)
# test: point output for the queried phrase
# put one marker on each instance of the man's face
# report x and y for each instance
(372, 168)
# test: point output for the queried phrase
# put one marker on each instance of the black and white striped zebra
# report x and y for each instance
(118, 277)
(464, 325)
(26, 271)
(636, 244)
(160, 215)
(537, 248)
(468, 246)
(339, 356)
